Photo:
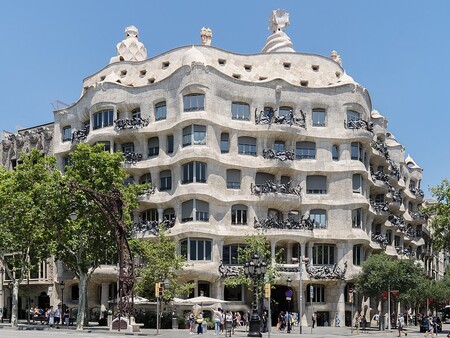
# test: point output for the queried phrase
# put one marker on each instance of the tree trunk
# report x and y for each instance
(15, 301)
(82, 300)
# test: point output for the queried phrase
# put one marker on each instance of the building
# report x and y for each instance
(279, 140)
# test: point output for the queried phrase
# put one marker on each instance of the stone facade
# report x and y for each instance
(279, 140)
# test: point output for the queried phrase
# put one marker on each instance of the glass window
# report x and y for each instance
(319, 217)
(153, 146)
(317, 293)
(233, 179)
(160, 111)
(239, 214)
(194, 134)
(194, 172)
(150, 215)
(224, 143)
(240, 111)
(128, 148)
(75, 292)
(279, 146)
(335, 152)
(357, 218)
(305, 150)
(146, 178)
(263, 178)
(194, 102)
(165, 180)
(323, 254)
(170, 144)
(316, 184)
(357, 183)
(103, 118)
(353, 116)
(357, 151)
(318, 117)
(247, 146)
(275, 214)
(196, 249)
(195, 210)
(357, 255)
(136, 113)
(285, 111)
(230, 254)
(67, 133)
(233, 293)
(169, 214)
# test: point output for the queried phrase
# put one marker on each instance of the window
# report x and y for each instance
(357, 218)
(247, 145)
(150, 215)
(305, 150)
(240, 111)
(153, 146)
(379, 198)
(357, 151)
(67, 133)
(194, 172)
(389, 236)
(263, 178)
(233, 293)
(165, 178)
(160, 111)
(195, 211)
(103, 119)
(146, 178)
(239, 214)
(316, 184)
(267, 114)
(233, 179)
(230, 254)
(194, 102)
(323, 254)
(357, 182)
(353, 116)
(318, 293)
(224, 143)
(318, 117)
(357, 254)
(75, 293)
(194, 134)
(285, 111)
(128, 181)
(335, 153)
(170, 144)
(136, 113)
(105, 144)
(397, 241)
(412, 185)
(275, 214)
(128, 148)
(279, 146)
(195, 249)
(319, 217)
(169, 214)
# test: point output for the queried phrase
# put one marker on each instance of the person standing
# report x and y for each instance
(217, 319)
(314, 318)
(401, 325)
(58, 315)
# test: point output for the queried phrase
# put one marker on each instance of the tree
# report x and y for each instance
(440, 215)
(90, 240)
(161, 262)
(26, 210)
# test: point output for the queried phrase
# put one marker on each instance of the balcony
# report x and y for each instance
(289, 224)
(282, 155)
(80, 135)
(226, 271)
(395, 170)
(152, 226)
(326, 271)
(380, 176)
(358, 124)
(416, 192)
(132, 157)
(380, 206)
(416, 215)
(276, 187)
(382, 240)
(288, 119)
(133, 123)
(381, 147)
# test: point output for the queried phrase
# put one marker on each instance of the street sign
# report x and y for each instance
(267, 290)
(288, 294)
(311, 292)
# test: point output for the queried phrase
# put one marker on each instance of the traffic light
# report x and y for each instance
(161, 289)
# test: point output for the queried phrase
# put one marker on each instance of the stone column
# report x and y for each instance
(273, 244)
(160, 215)
(104, 297)
(340, 307)
(289, 253)
(303, 276)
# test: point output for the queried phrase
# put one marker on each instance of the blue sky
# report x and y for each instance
(399, 50)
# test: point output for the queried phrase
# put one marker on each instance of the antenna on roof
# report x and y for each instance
(59, 105)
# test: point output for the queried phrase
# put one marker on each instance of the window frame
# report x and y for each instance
(165, 182)
(193, 102)
(67, 133)
(160, 111)
(305, 150)
(239, 214)
(247, 148)
(240, 111)
(203, 249)
(320, 115)
(102, 119)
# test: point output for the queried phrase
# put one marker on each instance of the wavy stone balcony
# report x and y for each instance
(405, 252)
(382, 240)
(289, 224)
(152, 226)
(274, 187)
(80, 135)
(359, 124)
(326, 271)
(380, 206)
(381, 147)
(132, 157)
(395, 169)
(418, 216)
(380, 176)
(417, 192)
(133, 123)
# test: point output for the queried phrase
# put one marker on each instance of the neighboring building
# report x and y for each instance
(281, 141)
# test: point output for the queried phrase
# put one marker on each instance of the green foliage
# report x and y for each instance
(440, 215)
(161, 262)
(260, 245)
(381, 272)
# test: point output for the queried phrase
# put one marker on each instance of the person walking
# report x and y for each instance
(430, 327)
(401, 325)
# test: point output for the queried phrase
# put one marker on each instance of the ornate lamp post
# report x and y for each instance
(288, 298)
(255, 269)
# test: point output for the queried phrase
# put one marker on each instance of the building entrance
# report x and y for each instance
(279, 302)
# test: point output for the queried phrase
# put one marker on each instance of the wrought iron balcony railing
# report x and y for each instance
(416, 191)
(282, 155)
(273, 187)
(265, 117)
(132, 158)
(358, 124)
(417, 215)
(80, 135)
(153, 226)
(380, 176)
(133, 123)
(272, 223)
(380, 239)
(381, 147)
(380, 206)
(326, 271)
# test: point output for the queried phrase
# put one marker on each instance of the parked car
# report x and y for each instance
(424, 324)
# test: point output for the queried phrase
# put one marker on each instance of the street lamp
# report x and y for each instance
(2, 304)
(255, 269)
(62, 285)
(288, 298)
